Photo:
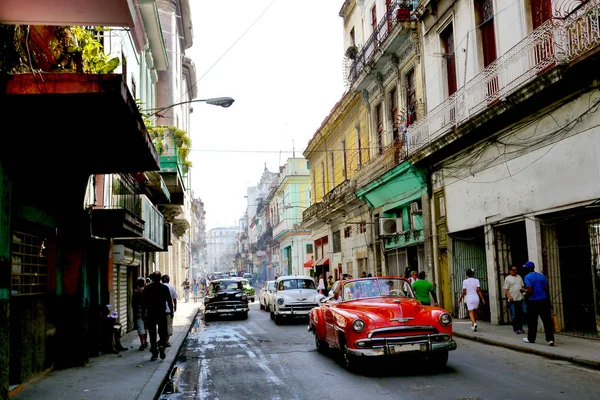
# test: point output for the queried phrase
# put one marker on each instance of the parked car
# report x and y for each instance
(225, 296)
(248, 275)
(380, 317)
(264, 296)
(294, 296)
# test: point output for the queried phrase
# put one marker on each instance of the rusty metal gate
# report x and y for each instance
(571, 248)
(511, 249)
(468, 252)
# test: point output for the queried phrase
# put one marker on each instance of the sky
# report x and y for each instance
(285, 74)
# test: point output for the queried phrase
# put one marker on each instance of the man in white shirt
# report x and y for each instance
(514, 287)
(165, 281)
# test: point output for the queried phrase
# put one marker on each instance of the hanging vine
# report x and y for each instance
(183, 141)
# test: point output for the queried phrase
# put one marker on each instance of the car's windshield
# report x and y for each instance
(376, 287)
(289, 284)
(217, 286)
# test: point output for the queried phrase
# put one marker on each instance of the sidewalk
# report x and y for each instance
(125, 376)
(569, 348)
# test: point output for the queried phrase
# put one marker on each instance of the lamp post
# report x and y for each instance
(213, 101)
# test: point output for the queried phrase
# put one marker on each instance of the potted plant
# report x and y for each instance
(352, 52)
(404, 9)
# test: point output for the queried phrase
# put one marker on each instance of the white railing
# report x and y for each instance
(555, 42)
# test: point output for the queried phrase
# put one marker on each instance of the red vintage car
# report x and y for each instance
(380, 317)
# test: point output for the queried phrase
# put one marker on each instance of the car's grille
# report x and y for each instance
(298, 307)
(222, 305)
(410, 330)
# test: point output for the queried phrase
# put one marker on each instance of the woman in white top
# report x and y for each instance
(471, 291)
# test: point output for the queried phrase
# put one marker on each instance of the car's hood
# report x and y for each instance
(383, 310)
(299, 295)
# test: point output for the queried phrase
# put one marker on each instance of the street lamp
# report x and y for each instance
(213, 101)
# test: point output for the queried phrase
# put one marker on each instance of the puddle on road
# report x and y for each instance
(172, 386)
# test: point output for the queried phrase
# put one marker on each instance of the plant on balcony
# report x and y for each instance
(72, 49)
(159, 133)
(352, 52)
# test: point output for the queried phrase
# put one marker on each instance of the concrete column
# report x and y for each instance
(534, 242)
(428, 242)
(490, 259)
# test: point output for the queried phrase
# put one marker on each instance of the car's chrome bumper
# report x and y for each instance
(437, 342)
(227, 310)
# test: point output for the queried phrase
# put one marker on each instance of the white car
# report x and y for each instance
(294, 296)
(264, 296)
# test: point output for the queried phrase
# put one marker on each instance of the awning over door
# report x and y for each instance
(322, 261)
(308, 264)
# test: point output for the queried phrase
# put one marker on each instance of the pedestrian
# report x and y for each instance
(186, 289)
(155, 296)
(514, 288)
(137, 303)
(195, 290)
(363, 274)
(170, 312)
(321, 285)
(538, 305)
(329, 282)
(422, 288)
(414, 275)
(471, 292)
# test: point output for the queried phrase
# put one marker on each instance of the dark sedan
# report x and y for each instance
(225, 296)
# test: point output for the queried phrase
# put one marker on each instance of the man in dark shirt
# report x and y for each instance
(538, 305)
(155, 296)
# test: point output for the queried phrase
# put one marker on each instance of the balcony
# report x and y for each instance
(122, 13)
(559, 41)
(172, 169)
(389, 35)
(153, 236)
(389, 157)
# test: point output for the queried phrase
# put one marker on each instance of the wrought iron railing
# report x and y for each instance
(392, 17)
(557, 41)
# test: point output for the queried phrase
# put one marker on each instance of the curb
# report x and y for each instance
(152, 389)
(531, 350)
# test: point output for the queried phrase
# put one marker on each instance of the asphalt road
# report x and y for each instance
(256, 359)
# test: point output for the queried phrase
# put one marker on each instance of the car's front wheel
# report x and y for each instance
(244, 315)
(320, 344)
(272, 315)
(348, 359)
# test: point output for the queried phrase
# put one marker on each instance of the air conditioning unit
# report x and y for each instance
(389, 226)
(414, 208)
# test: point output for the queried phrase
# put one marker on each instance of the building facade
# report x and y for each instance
(221, 248)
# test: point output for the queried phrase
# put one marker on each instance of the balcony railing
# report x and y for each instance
(557, 41)
(392, 17)
(389, 157)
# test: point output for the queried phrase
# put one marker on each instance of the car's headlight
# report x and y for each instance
(280, 301)
(358, 325)
(445, 319)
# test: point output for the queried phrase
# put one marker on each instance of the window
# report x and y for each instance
(373, 18)
(379, 128)
(323, 177)
(394, 112)
(347, 232)
(362, 227)
(358, 148)
(344, 160)
(337, 242)
(314, 184)
(309, 248)
(29, 264)
(447, 38)
(352, 37)
(411, 98)
(332, 156)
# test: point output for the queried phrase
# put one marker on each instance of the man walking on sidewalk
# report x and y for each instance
(514, 288)
(538, 305)
(155, 296)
